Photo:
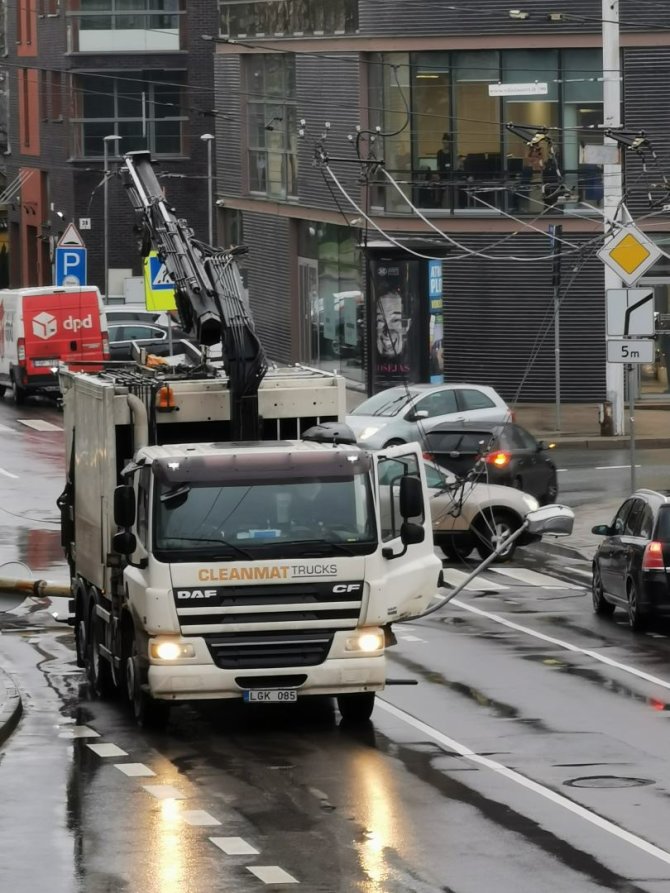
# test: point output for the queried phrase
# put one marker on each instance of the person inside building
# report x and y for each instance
(445, 167)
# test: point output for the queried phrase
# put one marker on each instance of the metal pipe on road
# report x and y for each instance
(38, 588)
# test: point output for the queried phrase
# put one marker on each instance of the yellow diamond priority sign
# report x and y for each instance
(629, 254)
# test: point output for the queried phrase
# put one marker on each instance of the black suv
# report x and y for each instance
(630, 566)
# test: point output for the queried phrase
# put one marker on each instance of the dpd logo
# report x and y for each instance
(44, 325)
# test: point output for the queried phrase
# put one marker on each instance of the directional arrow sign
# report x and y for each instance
(630, 311)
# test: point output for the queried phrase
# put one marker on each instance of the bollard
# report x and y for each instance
(606, 419)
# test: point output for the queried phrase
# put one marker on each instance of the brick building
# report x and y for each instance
(79, 71)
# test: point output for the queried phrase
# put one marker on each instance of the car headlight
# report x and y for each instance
(531, 503)
(370, 431)
(169, 649)
(367, 641)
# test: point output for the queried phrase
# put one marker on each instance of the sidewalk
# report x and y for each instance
(10, 706)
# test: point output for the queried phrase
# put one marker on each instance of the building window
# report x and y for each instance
(331, 299)
(144, 108)
(455, 154)
(271, 125)
(260, 18)
(137, 25)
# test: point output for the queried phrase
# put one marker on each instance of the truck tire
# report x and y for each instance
(18, 393)
(2, 391)
(357, 707)
(98, 670)
(148, 712)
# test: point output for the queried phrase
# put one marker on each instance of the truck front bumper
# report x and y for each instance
(333, 677)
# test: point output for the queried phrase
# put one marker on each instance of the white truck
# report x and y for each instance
(206, 563)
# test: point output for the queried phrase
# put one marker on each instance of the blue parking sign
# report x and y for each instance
(70, 265)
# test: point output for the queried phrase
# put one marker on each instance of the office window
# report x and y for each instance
(140, 24)
(260, 18)
(144, 108)
(272, 126)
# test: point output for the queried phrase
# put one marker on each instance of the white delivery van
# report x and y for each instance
(44, 326)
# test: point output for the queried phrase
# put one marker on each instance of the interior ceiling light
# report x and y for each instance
(518, 14)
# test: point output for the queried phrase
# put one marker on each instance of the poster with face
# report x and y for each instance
(395, 289)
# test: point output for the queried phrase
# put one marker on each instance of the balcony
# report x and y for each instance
(144, 31)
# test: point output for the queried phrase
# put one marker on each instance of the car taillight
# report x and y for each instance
(512, 416)
(653, 557)
(500, 459)
(428, 456)
(105, 347)
(21, 350)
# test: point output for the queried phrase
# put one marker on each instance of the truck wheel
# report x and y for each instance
(98, 669)
(148, 712)
(358, 707)
(2, 390)
(18, 393)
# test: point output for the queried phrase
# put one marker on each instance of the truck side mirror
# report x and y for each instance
(411, 497)
(410, 533)
(124, 506)
(124, 542)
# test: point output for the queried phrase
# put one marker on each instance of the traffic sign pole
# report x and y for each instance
(631, 423)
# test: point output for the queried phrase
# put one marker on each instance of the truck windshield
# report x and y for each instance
(333, 516)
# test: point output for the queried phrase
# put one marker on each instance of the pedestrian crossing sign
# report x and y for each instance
(158, 287)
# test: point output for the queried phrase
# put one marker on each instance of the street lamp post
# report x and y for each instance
(209, 138)
(113, 137)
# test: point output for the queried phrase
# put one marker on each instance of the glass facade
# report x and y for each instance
(276, 18)
(331, 299)
(142, 107)
(272, 129)
(104, 25)
(448, 146)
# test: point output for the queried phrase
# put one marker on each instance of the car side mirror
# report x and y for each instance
(124, 506)
(411, 497)
(411, 534)
(413, 416)
(124, 542)
(543, 445)
(602, 530)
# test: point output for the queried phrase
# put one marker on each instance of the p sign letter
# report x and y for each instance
(70, 266)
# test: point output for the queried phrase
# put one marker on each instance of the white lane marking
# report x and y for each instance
(38, 425)
(613, 467)
(533, 578)
(576, 570)
(479, 584)
(135, 770)
(199, 817)
(411, 639)
(234, 846)
(561, 644)
(107, 750)
(272, 874)
(527, 783)
(163, 792)
(78, 732)
(4, 429)
(8, 474)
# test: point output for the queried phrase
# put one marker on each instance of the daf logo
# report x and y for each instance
(347, 587)
(44, 326)
(196, 593)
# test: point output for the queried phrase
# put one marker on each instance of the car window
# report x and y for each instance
(632, 523)
(469, 398)
(437, 403)
(646, 522)
(115, 333)
(434, 478)
(138, 333)
(619, 521)
(523, 438)
(389, 473)
(460, 441)
(663, 525)
(386, 403)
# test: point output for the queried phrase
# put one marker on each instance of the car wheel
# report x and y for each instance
(552, 492)
(517, 483)
(456, 548)
(600, 604)
(636, 620)
(395, 442)
(2, 390)
(492, 527)
(18, 393)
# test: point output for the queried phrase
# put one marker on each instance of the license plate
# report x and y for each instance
(45, 363)
(270, 695)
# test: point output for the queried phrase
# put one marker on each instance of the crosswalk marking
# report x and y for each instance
(4, 429)
(38, 425)
(455, 577)
(533, 578)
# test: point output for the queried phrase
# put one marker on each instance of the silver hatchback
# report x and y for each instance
(403, 414)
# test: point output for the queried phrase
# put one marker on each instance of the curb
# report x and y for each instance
(607, 443)
(11, 706)
(559, 551)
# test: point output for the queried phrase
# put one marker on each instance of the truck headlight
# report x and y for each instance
(367, 641)
(168, 649)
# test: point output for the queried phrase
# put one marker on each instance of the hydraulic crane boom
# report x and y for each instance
(208, 291)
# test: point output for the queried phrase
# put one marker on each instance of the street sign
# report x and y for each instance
(70, 266)
(71, 237)
(631, 351)
(630, 311)
(534, 89)
(158, 287)
(629, 254)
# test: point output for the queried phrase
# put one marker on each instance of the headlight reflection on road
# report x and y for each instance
(376, 788)
(167, 849)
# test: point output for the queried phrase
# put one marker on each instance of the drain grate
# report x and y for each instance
(607, 781)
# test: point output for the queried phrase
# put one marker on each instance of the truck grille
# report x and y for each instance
(246, 652)
(269, 609)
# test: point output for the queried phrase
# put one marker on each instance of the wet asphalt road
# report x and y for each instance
(532, 755)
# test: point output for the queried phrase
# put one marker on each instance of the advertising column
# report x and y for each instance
(395, 289)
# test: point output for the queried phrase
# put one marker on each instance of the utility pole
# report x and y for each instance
(612, 180)
(555, 234)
